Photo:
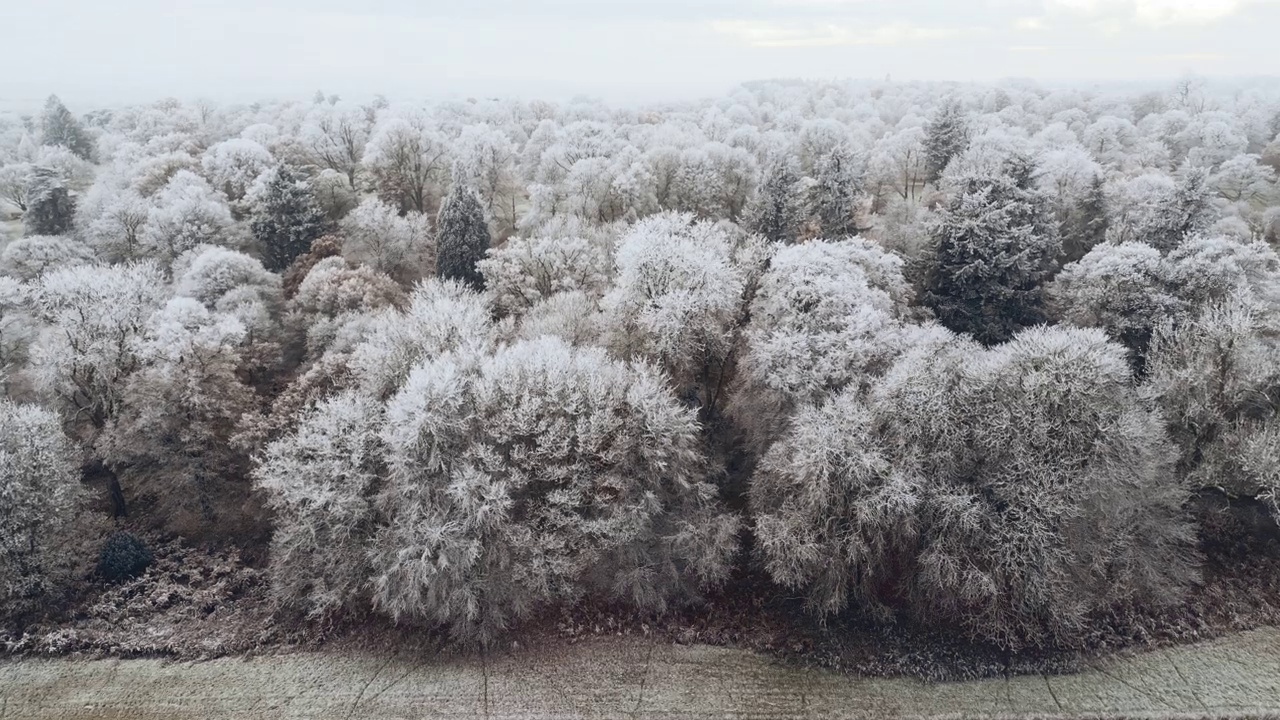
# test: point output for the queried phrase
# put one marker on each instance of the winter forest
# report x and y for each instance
(995, 362)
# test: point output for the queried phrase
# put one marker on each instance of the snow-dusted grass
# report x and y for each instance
(1237, 676)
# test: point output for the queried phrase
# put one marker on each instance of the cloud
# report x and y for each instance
(782, 35)
(1201, 57)
(1154, 12)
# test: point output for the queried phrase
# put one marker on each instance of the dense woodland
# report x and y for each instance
(992, 360)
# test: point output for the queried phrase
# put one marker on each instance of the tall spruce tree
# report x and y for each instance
(777, 210)
(60, 128)
(1087, 226)
(287, 219)
(463, 237)
(50, 208)
(835, 194)
(946, 136)
(995, 245)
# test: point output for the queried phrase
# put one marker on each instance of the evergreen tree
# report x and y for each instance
(946, 136)
(464, 237)
(835, 195)
(1087, 226)
(995, 244)
(287, 219)
(50, 208)
(1188, 210)
(59, 127)
(777, 210)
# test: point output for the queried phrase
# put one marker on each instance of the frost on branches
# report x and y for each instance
(377, 236)
(1008, 492)
(837, 192)
(677, 296)
(535, 476)
(179, 409)
(778, 210)
(526, 271)
(39, 493)
(826, 314)
(92, 319)
(1130, 288)
(1216, 378)
(320, 480)
(185, 213)
(496, 485)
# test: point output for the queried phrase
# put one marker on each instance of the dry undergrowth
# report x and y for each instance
(197, 604)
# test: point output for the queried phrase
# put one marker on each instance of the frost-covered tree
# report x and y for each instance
(1077, 188)
(232, 166)
(1244, 178)
(1087, 223)
(439, 317)
(1164, 214)
(50, 207)
(15, 184)
(17, 330)
(179, 409)
(897, 164)
(946, 136)
(376, 235)
(333, 195)
(1110, 139)
(320, 480)
(336, 138)
(573, 316)
(186, 213)
(153, 172)
(210, 273)
(75, 172)
(286, 219)
(29, 257)
(1131, 288)
(777, 210)
(112, 221)
(677, 299)
(712, 181)
(331, 294)
(493, 484)
(232, 283)
(537, 476)
(525, 271)
(39, 494)
(826, 315)
(1009, 493)
(462, 237)
(93, 317)
(406, 158)
(59, 127)
(995, 246)
(1121, 288)
(1207, 270)
(1217, 378)
(485, 160)
(836, 192)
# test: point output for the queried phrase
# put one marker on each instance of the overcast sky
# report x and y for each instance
(92, 52)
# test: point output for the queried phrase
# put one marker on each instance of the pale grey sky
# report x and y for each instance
(94, 53)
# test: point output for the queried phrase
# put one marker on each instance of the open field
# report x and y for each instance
(1234, 676)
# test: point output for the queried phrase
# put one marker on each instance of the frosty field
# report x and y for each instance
(1235, 676)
